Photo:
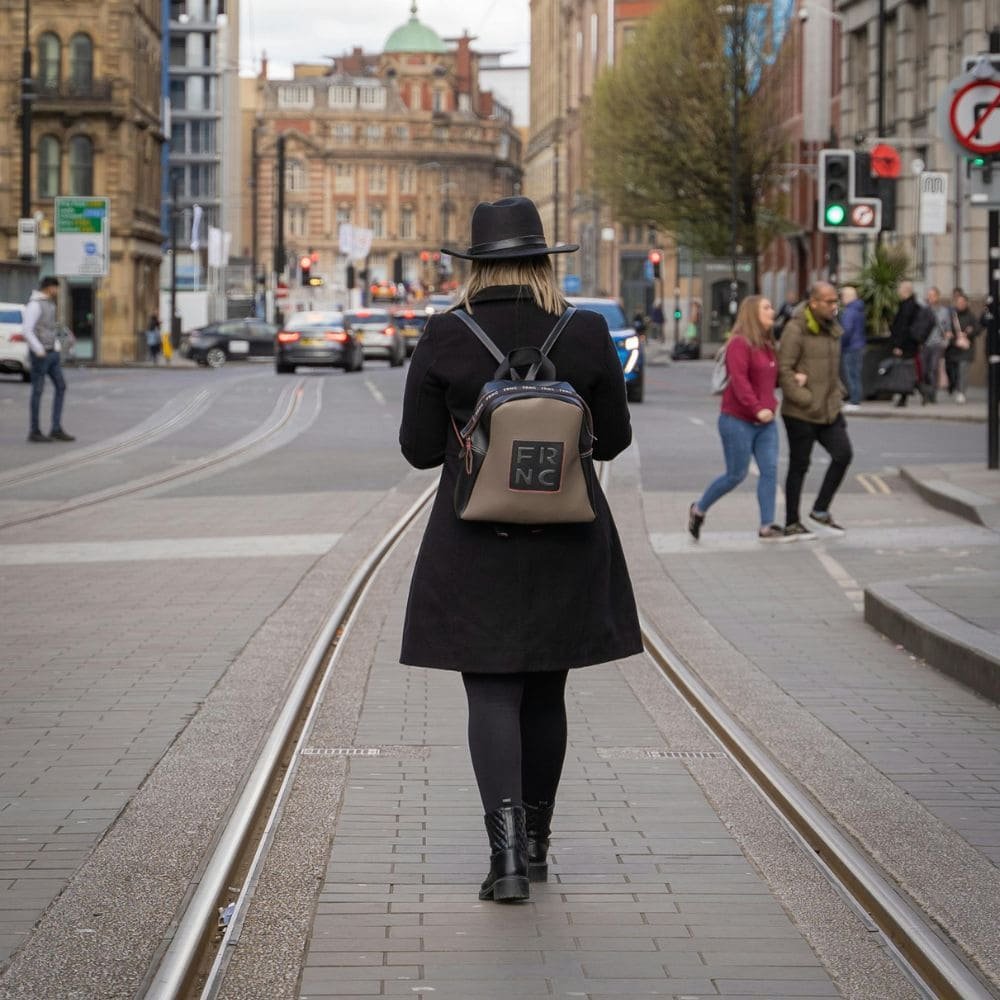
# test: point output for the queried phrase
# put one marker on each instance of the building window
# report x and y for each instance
(406, 227)
(376, 221)
(202, 180)
(343, 178)
(341, 96)
(295, 176)
(403, 133)
(377, 183)
(178, 139)
(857, 68)
(373, 133)
(298, 220)
(81, 165)
(178, 95)
(372, 97)
(293, 95)
(438, 100)
(49, 54)
(407, 180)
(49, 156)
(81, 63)
(202, 137)
(921, 45)
(344, 215)
(343, 133)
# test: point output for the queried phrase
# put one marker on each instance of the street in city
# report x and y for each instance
(167, 572)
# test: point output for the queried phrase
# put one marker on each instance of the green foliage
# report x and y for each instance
(877, 283)
(660, 131)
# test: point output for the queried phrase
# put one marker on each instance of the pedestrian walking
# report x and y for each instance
(41, 331)
(154, 339)
(933, 349)
(513, 608)
(812, 395)
(746, 417)
(852, 345)
(907, 333)
(961, 344)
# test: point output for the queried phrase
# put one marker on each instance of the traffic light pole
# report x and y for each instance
(993, 346)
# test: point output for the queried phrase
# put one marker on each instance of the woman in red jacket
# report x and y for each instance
(746, 420)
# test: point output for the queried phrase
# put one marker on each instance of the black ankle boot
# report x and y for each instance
(538, 820)
(507, 881)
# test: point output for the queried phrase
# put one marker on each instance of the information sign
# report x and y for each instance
(933, 220)
(82, 237)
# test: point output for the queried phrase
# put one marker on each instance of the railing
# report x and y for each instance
(73, 90)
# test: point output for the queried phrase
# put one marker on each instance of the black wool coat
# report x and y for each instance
(529, 598)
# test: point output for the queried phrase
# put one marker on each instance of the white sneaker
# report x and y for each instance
(851, 407)
(959, 397)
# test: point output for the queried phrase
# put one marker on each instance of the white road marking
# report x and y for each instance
(697, 420)
(234, 547)
(374, 390)
(853, 590)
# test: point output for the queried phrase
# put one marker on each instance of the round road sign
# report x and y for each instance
(974, 116)
(862, 216)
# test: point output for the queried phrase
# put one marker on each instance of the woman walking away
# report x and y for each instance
(513, 607)
(746, 418)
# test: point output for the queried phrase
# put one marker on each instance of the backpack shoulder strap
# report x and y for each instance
(551, 339)
(480, 333)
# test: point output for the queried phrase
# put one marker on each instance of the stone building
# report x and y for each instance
(403, 142)
(95, 130)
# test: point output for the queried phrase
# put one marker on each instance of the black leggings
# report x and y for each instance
(517, 735)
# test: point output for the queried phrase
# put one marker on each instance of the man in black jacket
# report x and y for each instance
(905, 335)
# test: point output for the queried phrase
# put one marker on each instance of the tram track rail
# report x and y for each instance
(194, 962)
(287, 405)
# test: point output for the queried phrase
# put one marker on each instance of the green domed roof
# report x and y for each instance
(414, 37)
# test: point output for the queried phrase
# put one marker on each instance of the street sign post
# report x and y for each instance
(82, 237)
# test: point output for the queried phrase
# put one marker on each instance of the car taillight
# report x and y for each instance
(389, 330)
(288, 336)
(336, 335)
(17, 338)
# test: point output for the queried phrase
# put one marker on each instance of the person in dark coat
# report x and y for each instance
(852, 345)
(904, 337)
(513, 608)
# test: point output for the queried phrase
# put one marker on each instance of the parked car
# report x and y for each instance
(438, 303)
(230, 340)
(320, 339)
(631, 346)
(14, 355)
(411, 323)
(380, 336)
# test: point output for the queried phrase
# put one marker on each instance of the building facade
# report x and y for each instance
(402, 143)
(95, 131)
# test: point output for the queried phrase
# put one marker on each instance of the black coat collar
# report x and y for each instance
(500, 293)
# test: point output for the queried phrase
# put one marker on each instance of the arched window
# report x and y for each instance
(49, 52)
(81, 63)
(49, 157)
(81, 165)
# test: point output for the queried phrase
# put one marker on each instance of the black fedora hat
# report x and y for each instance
(505, 229)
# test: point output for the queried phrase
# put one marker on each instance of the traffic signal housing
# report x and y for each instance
(677, 313)
(656, 259)
(840, 209)
(305, 267)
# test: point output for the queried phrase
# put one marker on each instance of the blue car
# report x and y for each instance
(631, 345)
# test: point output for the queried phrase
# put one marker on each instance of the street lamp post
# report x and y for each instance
(175, 320)
(735, 55)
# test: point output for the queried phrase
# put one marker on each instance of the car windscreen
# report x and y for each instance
(369, 319)
(611, 311)
(10, 316)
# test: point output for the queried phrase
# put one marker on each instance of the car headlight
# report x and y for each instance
(632, 343)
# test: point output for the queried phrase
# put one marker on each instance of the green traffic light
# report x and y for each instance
(677, 314)
(835, 215)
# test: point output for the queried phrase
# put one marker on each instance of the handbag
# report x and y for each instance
(897, 375)
(720, 373)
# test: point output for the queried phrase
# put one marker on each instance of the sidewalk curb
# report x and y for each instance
(949, 643)
(945, 495)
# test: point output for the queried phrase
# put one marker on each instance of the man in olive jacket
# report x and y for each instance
(812, 397)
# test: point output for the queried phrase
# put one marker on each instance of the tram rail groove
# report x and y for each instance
(291, 400)
(180, 968)
(935, 966)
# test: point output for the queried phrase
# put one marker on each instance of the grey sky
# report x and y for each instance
(307, 30)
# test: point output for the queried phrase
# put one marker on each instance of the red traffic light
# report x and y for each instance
(655, 256)
(885, 161)
(425, 255)
(305, 263)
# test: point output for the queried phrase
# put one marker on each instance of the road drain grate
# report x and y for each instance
(653, 753)
(341, 752)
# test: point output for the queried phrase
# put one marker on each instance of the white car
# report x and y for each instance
(14, 355)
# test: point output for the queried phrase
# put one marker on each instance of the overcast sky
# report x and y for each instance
(307, 30)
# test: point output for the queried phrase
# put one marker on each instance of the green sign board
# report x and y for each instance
(82, 237)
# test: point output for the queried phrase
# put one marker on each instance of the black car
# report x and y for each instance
(317, 338)
(230, 340)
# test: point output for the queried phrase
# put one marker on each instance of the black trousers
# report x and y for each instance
(802, 435)
(517, 735)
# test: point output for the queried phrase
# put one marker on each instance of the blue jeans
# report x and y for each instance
(851, 363)
(40, 368)
(740, 440)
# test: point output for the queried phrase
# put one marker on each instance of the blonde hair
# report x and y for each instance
(749, 326)
(535, 273)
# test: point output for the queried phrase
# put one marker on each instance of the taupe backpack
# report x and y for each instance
(526, 452)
